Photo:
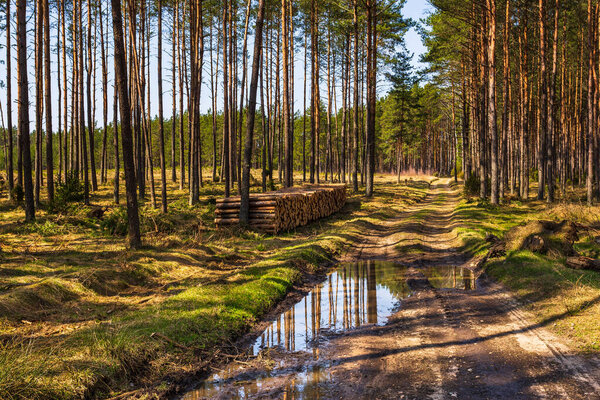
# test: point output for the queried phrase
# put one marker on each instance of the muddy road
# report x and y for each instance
(406, 317)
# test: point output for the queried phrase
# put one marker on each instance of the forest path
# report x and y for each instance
(438, 344)
(420, 235)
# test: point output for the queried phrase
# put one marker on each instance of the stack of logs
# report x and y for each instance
(284, 209)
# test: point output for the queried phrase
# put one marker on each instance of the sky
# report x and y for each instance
(415, 9)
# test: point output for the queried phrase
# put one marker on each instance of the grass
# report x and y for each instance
(78, 310)
(565, 300)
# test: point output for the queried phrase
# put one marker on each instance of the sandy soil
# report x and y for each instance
(440, 344)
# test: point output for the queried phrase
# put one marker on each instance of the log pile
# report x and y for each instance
(284, 209)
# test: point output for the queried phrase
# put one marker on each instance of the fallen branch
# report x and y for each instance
(583, 263)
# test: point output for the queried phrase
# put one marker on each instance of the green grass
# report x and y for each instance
(78, 309)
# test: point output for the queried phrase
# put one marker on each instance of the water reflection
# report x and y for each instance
(352, 296)
(450, 278)
(304, 384)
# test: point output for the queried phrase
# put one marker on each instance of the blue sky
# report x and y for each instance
(415, 9)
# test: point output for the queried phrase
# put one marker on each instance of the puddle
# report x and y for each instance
(285, 384)
(450, 278)
(353, 295)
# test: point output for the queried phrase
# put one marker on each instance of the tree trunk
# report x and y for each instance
(161, 132)
(48, 89)
(328, 150)
(371, 95)
(355, 121)
(81, 121)
(491, 111)
(590, 107)
(265, 127)
(214, 90)
(9, 168)
(181, 73)
(304, 110)
(543, 128)
(23, 106)
(240, 119)
(39, 100)
(465, 127)
(116, 144)
(245, 192)
(288, 133)
(65, 151)
(506, 118)
(126, 136)
(226, 133)
(104, 159)
(314, 83)
(91, 122)
(174, 96)
(550, 174)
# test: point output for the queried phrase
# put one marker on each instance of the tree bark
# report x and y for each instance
(355, 120)
(543, 128)
(48, 101)
(90, 105)
(126, 135)
(81, 121)
(226, 133)
(174, 96)
(39, 99)
(590, 107)
(491, 111)
(371, 95)
(116, 144)
(161, 132)
(245, 192)
(104, 156)
(550, 173)
(9, 168)
(23, 106)
(65, 151)
(288, 134)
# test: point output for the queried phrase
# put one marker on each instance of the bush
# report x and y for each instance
(534, 175)
(116, 223)
(18, 194)
(472, 185)
(68, 192)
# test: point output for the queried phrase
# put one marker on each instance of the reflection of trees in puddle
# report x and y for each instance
(307, 384)
(352, 296)
(450, 278)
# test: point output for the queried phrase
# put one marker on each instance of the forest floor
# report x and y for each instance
(540, 341)
(81, 315)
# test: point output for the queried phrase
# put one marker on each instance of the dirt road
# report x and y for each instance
(437, 344)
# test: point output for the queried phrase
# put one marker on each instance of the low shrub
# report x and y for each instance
(18, 194)
(68, 192)
(115, 222)
(472, 185)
